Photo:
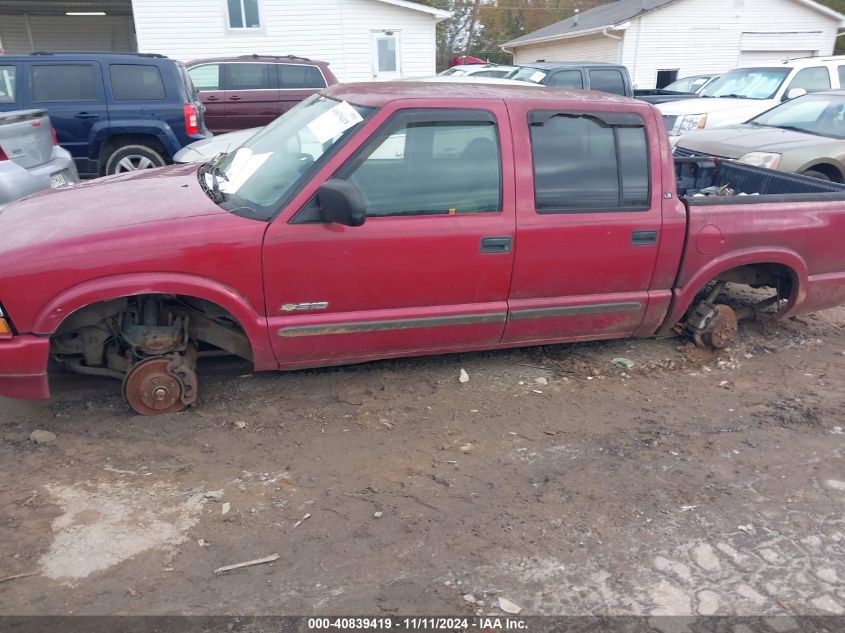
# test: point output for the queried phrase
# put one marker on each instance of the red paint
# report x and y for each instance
(156, 231)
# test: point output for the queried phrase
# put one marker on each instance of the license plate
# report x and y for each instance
(57, 180)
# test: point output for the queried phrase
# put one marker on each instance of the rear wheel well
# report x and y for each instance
(113, 143)
(780, 278)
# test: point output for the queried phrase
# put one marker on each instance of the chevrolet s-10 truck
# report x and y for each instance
(400, 219)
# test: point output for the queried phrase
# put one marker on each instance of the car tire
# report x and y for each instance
(132, 158)
(812, 173)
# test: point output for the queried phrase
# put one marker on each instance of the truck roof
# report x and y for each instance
(379, 93)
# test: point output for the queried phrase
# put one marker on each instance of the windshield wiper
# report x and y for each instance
(793, 128)
(733, 96)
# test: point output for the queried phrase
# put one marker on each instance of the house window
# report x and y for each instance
(244, 14)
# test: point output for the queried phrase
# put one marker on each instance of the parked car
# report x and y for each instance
(805, 135)
(252, 90)
(30, 157)
(743, 93)
(612, 78)
(113, 112)
(464, 240)
(498, 71)
(693, 84)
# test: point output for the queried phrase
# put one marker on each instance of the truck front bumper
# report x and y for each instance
(23, 367)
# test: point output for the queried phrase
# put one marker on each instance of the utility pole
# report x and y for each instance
(472, 22)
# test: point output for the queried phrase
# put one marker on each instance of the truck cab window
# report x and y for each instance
(442, 164)
(607, 81)
(584, 164)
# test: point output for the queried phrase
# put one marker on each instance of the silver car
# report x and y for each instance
(30, 158)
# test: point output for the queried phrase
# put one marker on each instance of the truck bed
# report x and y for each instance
(748, 183)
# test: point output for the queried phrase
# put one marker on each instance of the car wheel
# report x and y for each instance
(816, 174)
(133, 158)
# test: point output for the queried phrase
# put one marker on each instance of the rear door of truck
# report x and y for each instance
(589, 199)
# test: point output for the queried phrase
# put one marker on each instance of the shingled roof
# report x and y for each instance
(605, 16)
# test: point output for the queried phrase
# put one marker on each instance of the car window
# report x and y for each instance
(534, 75)
(292, 76)
(583, 164)
(134, 82)
(607, 80)
(7, 84)
(821, 114)
(683, 85)
(811, 79)
(491, 73)
(841, 70)
(566, 79)
(63, 82)
(249, 76)
(457, 151)
(206, 77)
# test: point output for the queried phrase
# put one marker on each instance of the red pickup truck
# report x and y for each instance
(383, 220)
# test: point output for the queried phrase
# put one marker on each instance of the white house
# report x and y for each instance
(660, 40)
(361, 39)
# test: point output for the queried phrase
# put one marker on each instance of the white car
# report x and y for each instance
(496, 71)
(743, 93)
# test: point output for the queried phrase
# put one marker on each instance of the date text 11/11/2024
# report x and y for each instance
(483, 623)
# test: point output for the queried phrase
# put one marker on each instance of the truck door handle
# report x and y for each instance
(235, 98)
(212, 98)
(496, 244)
(643, 238)
(86, 115)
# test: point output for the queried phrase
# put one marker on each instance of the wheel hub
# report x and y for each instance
(151, 388)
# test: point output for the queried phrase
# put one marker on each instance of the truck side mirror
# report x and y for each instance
(341, 202)
(794, 93)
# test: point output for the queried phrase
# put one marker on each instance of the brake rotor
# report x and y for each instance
(722, 328)
(151, 389)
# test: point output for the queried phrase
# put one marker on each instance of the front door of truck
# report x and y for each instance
(589, 220)
(430, 268)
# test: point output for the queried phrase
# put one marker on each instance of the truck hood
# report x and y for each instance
(736, 109)
(140, 197)
(735, 141)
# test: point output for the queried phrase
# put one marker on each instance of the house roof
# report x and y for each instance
(438, 14)
(616, 13)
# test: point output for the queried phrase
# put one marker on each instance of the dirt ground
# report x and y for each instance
(692, 483)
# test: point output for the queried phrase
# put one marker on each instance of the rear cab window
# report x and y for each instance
(63, 82)
(569, 79)
(589, 162)
(136, 82)
(8, 85)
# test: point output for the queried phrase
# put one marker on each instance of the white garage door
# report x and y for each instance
(21, 35)
(749, 58)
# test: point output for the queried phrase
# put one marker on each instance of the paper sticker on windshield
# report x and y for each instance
(537, 77)
(334, 122)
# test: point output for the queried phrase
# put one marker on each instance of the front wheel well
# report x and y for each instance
(139, 326)
(831, 171)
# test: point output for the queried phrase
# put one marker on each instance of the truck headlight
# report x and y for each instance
(690, 123)
(762, 159)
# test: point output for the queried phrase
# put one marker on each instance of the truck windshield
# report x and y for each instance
(748, 83)
(534, 75)
(255, 179)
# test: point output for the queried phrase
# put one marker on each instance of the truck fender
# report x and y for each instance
(148, 127)
(77, 297)
(683, 295)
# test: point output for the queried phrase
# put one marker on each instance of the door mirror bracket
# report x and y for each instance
(341, 202)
